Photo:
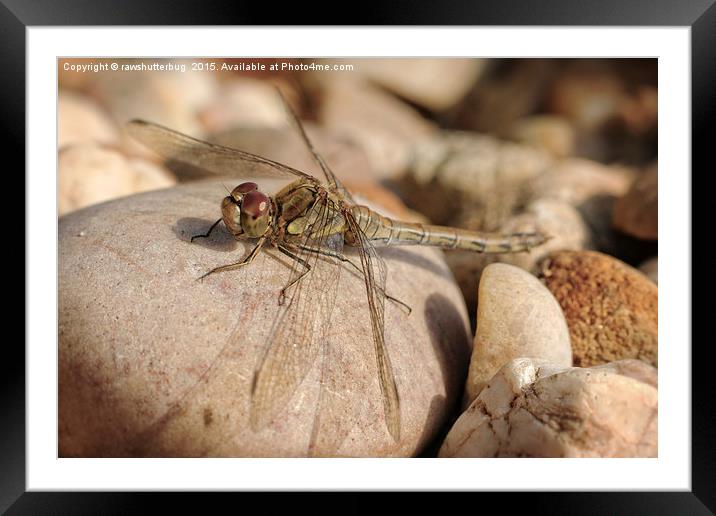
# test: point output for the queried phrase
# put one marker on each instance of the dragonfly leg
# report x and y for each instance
(282, 295)
(341, 257)
(205, 235)
(253, 254)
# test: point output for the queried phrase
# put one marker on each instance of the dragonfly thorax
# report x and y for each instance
(247, 211)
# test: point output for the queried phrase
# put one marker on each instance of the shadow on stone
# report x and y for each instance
(219, 240)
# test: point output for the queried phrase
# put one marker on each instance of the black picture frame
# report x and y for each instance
(17, 15)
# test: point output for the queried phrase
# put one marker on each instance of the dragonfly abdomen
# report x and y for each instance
(383, 231)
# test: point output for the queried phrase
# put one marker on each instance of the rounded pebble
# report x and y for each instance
(610, 307)
(516, 317)
(532, 408)
(90, 174)
(80, 120)
(637, 212)
(154, 363)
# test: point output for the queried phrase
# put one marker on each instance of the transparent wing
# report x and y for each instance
(299, 333)
(374, 274)
(210, 158)
(333, 182)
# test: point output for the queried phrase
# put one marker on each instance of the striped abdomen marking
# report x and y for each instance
(382, 231)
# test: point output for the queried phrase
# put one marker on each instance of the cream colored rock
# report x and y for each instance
(559, 221)
(153, 362)
(576, 180)
(532, 408)
(422, 81)
(90, 174)
(244, 102)
(80, 120)
(516, 317)
(170, 98)
(383, 125)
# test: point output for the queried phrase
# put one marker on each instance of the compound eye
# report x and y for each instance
(244, 188)
(255, 204)
(231, 214)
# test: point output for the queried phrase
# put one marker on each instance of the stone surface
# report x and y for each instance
(415, 79)
(244, 102)
(153, 362)
(384, 126)
(576, 181)
(509, 90)
(470, 180)
(637, 212)
(559, 220)
(610, 307)
(90, 173)
(651, 269)
(550, 133)
(80, 120)
(589, 95)
(170, 98)
(533, 408)
(346, 158)
(516, 317)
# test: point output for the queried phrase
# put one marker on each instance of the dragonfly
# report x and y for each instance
(311, 221)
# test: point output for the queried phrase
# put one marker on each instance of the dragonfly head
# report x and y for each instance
(246, 211)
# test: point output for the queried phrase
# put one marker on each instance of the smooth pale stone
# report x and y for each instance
(516, 317)
(81, 120)
(90, 173)
(414, 79)
(533, 408)
(153, 362)
(637, 212)
(610, 307)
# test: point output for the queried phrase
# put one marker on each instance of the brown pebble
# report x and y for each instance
(610, 307)
(637, 212)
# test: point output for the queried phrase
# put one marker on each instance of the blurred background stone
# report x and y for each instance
(414, 80)
(80, 120)
(384, 126)
(637, 212)
(90, 174)
(651, 269)
(550, 133)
